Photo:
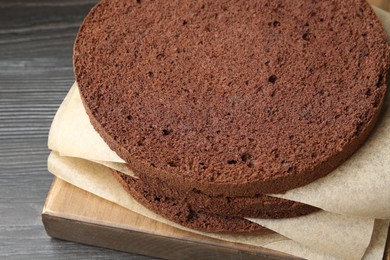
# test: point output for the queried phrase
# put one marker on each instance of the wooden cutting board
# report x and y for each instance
(76, 215)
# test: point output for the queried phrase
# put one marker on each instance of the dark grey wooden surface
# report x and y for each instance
(36, 39)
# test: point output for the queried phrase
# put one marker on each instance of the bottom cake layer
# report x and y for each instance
(177, 209)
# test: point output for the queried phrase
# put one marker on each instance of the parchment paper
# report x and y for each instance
(72, 134)
(374, 251)
(337, 236)
(384, 17)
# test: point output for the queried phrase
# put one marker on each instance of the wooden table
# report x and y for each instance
(36, 39)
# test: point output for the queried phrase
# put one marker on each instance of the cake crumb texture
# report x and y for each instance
(232, 97)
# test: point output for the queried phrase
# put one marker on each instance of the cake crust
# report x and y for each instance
(182, 213)
(232, 98)
(259, 206)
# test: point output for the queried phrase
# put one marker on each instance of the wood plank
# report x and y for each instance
(76, 215)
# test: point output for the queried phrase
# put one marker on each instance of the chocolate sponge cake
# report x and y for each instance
(233, 98)
(210, 214)
(260, 206)
(179, 211)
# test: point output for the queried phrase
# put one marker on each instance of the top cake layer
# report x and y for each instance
(232, 97)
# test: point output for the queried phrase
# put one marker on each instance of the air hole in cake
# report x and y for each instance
(138, 1)
(269, 111)
(275, 153)
(358, 128)
(251, 164)
(306, 36)
(191, 214)
(173, 164)
(160, 56)
(376, 101)
(272, 79)
(184, 22)
(196, 191)
(129, 117)
(157, 199)
(245, 157)
(150, 74)
(380, 81)
(202, 166)
(231, 161)
(166, 132)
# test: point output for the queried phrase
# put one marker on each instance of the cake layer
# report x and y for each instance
(216, 214)
(259, 206)
(232, 98)
(180, 212)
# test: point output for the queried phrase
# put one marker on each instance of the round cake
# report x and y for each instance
(232, 99)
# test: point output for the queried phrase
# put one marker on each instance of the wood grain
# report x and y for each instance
(36, 39)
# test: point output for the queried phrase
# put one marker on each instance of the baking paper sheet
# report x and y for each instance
(343, 236)
(325, 230)
(374, 251)
(72, 134)
(384, 17)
